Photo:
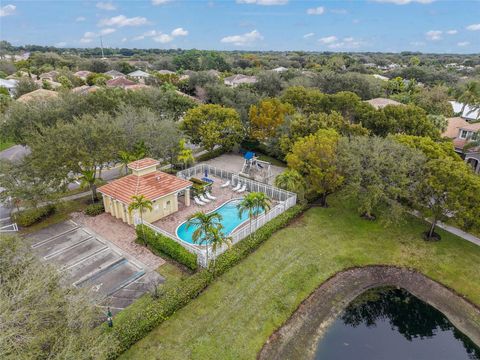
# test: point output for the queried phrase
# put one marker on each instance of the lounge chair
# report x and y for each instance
(243, 189)
(203, 199)
(238, 187)
(210, 196)
(198, 201)
(226, 184)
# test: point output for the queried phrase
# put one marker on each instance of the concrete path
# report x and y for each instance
(14, 153)
(460, 233)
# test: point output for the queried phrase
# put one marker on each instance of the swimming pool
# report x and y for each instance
(230, 221)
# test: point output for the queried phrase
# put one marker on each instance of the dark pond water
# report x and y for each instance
(392, 324)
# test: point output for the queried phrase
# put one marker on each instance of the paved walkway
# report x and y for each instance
(459, 233)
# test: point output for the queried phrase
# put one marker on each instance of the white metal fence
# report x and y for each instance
(285, 200)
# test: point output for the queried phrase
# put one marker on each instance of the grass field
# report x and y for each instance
(5, 144)
(237, 313)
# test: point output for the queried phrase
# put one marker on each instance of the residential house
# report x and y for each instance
(239, 79)
(51, 75)
(380, 77)
(469, 113)
(280, 69)
(120, 82)
(10, 85)
(139, 75)
(114, 74)
(162, 189)
(453, 126)
(467, 134)
(82, 74)
(380, 103)
(166, 72)
(39, 94)
(85, 89)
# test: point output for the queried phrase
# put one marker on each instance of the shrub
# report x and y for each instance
(29, 217)
(211, 154)
(165, 245)
(133, 324)
(94, 209)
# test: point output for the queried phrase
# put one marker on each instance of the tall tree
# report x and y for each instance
(315, 158)
(185, 155)
(140, 204)
(206, 226)
(291, 180)
(266, 117)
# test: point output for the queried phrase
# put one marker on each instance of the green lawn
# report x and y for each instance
(5, 144)
(237, 313)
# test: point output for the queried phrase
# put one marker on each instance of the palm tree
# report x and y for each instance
(217, 240)
(291, 180)
(254, 203)
(140, 203)
(88, 180)
(206, 225)
(125, 158)
(185, 156)
(470, 95)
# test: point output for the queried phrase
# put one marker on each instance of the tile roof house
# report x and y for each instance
(51, 75)
(139, 74)
(120, 82)
(39, 94)
(280, 69)
(115, 74)
(380, 103)
(454, 124)
(161, 188)
(239, 79)
(466, 134)
(82, 74)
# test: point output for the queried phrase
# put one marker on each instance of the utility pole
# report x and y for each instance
(101, 45)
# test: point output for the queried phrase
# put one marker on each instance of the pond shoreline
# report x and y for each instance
(298, 337)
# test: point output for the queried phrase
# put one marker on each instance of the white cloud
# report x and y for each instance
(122, 20)
(160, 2)
(452, 32)
(263, 2)
(89, 35)
(463, 43)
(434, 35)
(161, 37)
(85, 40)
(107, 31)
(7, 10)
(328, 39)
(106, 6)
(179, 32)
(306, 36)
(80, 19)
(244, 39)
(473, 27)
(124, 40)
(61, 44)
(404, 2)
(345, 43)
(316, 11)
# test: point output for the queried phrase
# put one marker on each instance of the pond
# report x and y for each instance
(390, 323)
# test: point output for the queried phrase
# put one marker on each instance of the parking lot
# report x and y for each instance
(88, 261)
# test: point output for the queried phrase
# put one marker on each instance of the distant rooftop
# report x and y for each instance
(379, 103)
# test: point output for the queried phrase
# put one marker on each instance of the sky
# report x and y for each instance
(437, 26)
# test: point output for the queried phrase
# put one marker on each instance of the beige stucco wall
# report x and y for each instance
(160, 208)
(144, 171)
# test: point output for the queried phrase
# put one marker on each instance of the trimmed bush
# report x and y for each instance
(29, 217)
(210, 155)
(131, 325)
(94, 209)
(165, 245)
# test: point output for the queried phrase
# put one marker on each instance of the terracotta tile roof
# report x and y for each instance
(143, 163)
(453, 125)
(137, 87)
(472, 127)
(120, 82)
(39, 94)
(379, 103)
(153, 186)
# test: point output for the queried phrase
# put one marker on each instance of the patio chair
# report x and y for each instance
(203, 199)
(243, 189)
(198, 201)
(210, 196)
(225, 185)
(238, 187)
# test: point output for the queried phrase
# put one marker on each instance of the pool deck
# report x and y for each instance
(171, 222)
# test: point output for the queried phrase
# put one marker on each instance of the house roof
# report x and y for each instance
(114, 73)
(137, 87)
(139, 73)
(143, 163)
(39, 94)
(82, 73)
(379, 103)
(453, 125)
(240, 79)
(9, 84)
(471, 127)
(120, 82)
(280, 69)
(153, 185)
(468, 113)
(166, 72)
(50, 74)
(84, 89)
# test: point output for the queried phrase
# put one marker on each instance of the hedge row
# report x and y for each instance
(132, 325)
(29, 217)
(94, 209)
(163, 244)
(210, 155)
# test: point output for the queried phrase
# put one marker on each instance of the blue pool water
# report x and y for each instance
(230, 221)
